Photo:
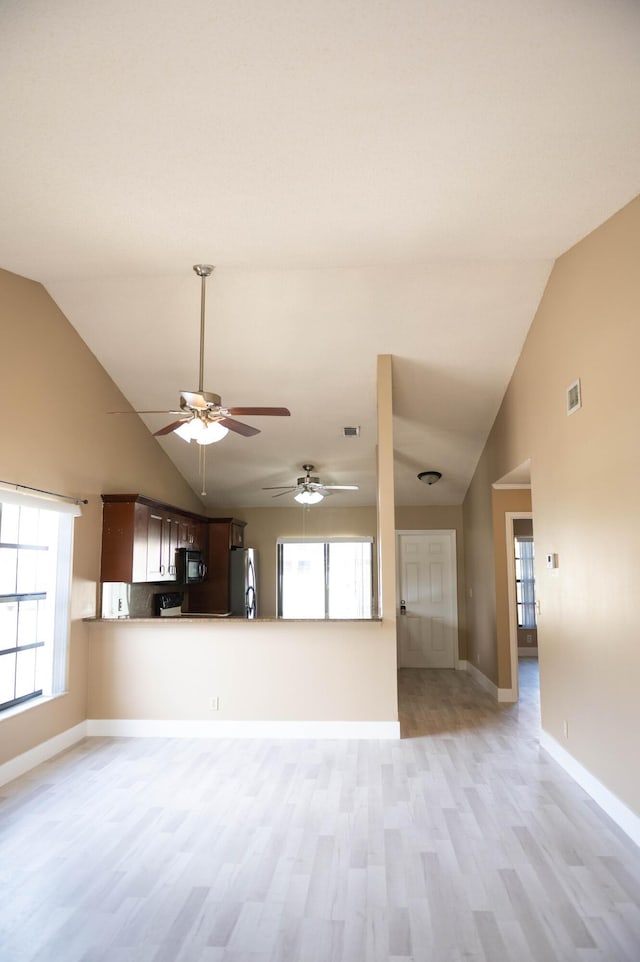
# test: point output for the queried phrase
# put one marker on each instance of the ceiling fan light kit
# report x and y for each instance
(308, 497)
(201, 431)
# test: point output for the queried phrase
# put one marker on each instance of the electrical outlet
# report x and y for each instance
(214, 703)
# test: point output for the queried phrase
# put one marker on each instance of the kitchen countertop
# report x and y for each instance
(194, 617)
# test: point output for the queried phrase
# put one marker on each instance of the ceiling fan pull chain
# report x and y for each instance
(202, 451)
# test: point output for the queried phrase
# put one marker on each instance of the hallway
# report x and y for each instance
(433, 702)
(462, 841)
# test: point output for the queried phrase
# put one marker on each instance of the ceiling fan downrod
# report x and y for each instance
(203, 271)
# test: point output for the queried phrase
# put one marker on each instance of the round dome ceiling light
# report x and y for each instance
(429, 477)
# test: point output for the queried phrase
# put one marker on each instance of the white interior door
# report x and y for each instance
(427, 598)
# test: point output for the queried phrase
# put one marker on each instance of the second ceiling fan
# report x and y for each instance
(309, 489)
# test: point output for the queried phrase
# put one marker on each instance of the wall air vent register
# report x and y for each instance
(574, 397)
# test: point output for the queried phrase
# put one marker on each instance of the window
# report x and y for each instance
(525, 582)
(330, 578)
(35, 578)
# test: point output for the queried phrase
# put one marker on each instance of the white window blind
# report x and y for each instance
(525, 582)
(36, 540)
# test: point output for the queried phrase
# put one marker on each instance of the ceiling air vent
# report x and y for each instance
(574, 397)
(351, 432)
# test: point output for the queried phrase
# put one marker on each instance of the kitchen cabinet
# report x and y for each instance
(125, 533)
(140, 537)
(154, 546)
(190, 534)
(163, 538)
(212, 596)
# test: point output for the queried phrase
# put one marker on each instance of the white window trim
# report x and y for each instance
(325, 540)
(64, 570)
(355, 539)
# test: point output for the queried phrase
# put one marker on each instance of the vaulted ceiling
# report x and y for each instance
(367, 176)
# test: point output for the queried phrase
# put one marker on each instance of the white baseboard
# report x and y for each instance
(462, 664)
(627, 820)
(528, 652)
(125, 728)
(21, 764)
(149, 728)
(500, 694)
(481, 679)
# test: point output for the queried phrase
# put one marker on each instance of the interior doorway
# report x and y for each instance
(427, 617)
(523, 608)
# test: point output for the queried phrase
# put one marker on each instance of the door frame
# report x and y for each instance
(453, 573)
(510, 517)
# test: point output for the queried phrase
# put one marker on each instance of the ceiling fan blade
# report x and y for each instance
(144, 412)
(170, 427)
(288, 491)
(339, 487)
(281, 487)
(272, 412)
(244, 429)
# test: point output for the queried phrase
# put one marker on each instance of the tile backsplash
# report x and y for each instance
(121, 600)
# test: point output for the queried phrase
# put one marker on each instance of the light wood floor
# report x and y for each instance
(462, 841)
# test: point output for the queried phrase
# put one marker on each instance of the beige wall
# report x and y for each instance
(261, 671)
(385, 491)
(435, 518)
(584, 473)
(527, 638)
(55, 434)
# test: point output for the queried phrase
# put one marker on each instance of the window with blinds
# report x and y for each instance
(35, 574)
(330, 578)
(525, 582)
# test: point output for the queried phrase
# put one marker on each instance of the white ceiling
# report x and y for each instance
(367, 176)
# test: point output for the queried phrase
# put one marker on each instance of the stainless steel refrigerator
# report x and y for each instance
(243, 582)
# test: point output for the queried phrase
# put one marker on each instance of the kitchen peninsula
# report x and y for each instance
(186, 675)
(216, 676)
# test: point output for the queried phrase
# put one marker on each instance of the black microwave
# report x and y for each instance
(190, 568)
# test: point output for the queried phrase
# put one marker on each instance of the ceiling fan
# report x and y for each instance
(309, 489)
(204, 419)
